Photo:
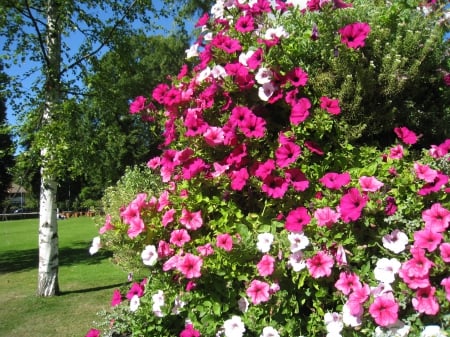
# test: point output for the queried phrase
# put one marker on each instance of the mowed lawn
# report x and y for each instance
(86, 281)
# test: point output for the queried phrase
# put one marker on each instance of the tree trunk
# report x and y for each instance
(48, 227)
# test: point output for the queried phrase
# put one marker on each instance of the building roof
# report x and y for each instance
(14, 189)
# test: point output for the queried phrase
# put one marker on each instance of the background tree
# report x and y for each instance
(60, 36)
(6, 143)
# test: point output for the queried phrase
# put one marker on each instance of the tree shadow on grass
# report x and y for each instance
(22, 260)
(87, 290)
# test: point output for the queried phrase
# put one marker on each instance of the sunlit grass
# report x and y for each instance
(86, 282)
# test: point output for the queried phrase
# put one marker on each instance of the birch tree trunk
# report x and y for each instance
(48, 228)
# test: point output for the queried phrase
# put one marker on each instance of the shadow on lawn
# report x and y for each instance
(87, 290)
(21, 260)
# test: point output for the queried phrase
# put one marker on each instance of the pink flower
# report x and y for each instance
(313, 147)
(437, 218)
(427, 239)
(214, 136)
(425, 301)
(435, 186)
(189, 265)
(258, 291)
(168, 217)
(406, 136)
(370, 184)
(391, 206)
(275, 186)
(396, 152)
(191, 220)
(424, 172)
(265, 169)
(330, 105)
(137, 105)
(287, 154)
(253, 126)
(179, 237)
(224, 241)
(107, 226)
(300, 111)
(335, 181)
(445, 252)
(357, 298)
(297, 219)
(326, 216)
(384, 310)
(351, 205)
(266, 265)
(446, 284)
(205, 250)
(347, 282)
(116, 298)
(320, 265)
(226, 43)
(164, 249)
(189, 331)
(93, 333)
(354, 35)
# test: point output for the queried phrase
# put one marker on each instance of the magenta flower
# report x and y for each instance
(93, 333)
(116, 298)
(425, 301)
(160, 92)
(405, 135)
(224, 241)
(255, 60)
(214, 136)
(300, 111)
(370, 184)
(287, 154)
(391, 206)
(205, 250)
(297, 179)
(320, 265)
(435, 186)
(396, 152)
(330, 105)
(351, 205)
(266, 265)
(179, 237)
(275, 186)
(446, 284)
(107, 226)
(437, 218)
(258, 292)
(226, 43)
(137, 105)
(335, 181)
(384, 310)
(189, 331)
(191, 220)
(427, 239)
(189, 265)
(239, 179)
(263, 170)
(136, 289)
(245, 24)
(168, 217)
(354, 35)
(297, 219)
(164, 249)
(253, 126)
(297, 77)
(313, 147)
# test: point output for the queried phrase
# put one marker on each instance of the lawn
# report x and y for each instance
(86, 281)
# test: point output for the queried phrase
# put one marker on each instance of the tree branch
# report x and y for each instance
(105, 41)
(38, 32)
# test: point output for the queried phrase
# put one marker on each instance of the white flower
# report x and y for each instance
(333, 322)
(243, 304)
(96, 245)
(218, 71)
(433, 331)
(203, 75)
(149, 255)
(192, 51)
(234, 327)
(217, 10)
(268, 331)
(398, 329)
(158, 298)
(301, 4)
(396, 241)
(299, 241)
(134, 303)
(348, 318)
(178, 304)
(266, 91)
(296, 261)
(264, 242)
(386, 269)
(263, 75)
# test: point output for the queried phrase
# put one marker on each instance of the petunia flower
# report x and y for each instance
(320, 265)
(234, 327)
(354, 35)
(258, 292)
(384, 310)
(266, 265)
(396, 241)
(224, 241)
(297, 219)
(265, 241)
(149, 255)
(405, 135)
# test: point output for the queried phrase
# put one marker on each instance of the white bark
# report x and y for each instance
(48, 227)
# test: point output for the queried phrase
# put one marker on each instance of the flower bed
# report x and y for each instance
(280, 215)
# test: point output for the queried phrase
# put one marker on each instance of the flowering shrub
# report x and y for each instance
(278, 216)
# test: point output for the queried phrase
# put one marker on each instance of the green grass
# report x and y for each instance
(86, 282)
